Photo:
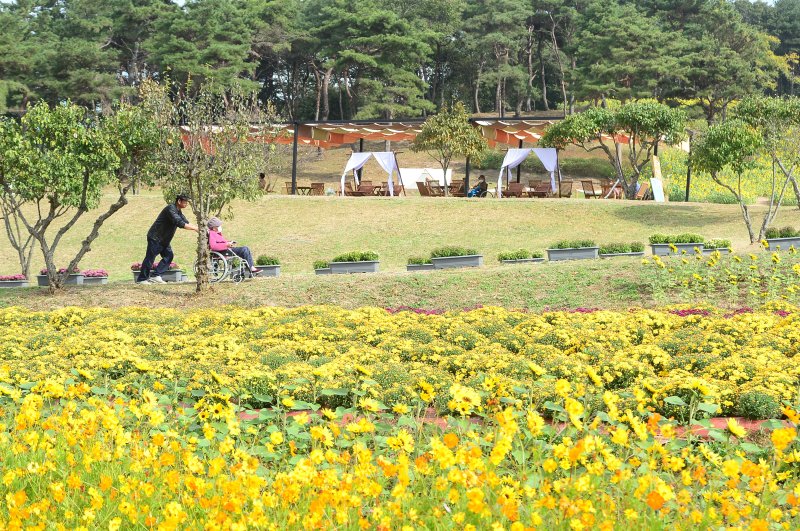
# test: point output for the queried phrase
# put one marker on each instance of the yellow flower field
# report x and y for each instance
(319, 417)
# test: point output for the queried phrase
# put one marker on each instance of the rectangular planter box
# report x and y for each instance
(14, 283)
(269, 271)
(447, 262)
(614, 255)
(709, 251)
(340, 268)
(523, 261)
(94, 281)
(783, 243)
(662, 249)
(72, 280)
(169, 276)
(579, 253)
(419, 267)
(323, 271)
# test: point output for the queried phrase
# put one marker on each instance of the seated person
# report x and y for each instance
(479, 190)
(218, 243)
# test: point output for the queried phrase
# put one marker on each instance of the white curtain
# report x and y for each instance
(549, 158)
(513, 158)
(357, 160)
(388, 162)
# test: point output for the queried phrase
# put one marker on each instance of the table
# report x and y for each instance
(303, 190)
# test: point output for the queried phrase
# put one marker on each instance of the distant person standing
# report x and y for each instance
(159, 238)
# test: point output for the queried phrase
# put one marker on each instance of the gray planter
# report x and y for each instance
(342, 268)
(184, 277)
(269, 270)
(783, 243)
(72, 280)
(94, 281)
(14, 283)
(662, 249)
(419, 267)
(523, 261)
(447, 262)
(323, 271)
(614, 255)
(175, 275)
(722, 250)
(577, 253)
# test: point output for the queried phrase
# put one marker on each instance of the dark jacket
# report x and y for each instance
(168, 221)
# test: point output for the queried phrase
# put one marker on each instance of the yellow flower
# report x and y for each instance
(276, 437)
(783, 437)
(736, 429)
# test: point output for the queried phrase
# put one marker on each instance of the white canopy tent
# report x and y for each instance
(386, 159)
(514, 157)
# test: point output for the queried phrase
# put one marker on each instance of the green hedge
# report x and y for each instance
(677, 238)
(572, 244)
(783, 232)
(619, 248)
(264, 260)
(418, 260)
(452, 250)
(718, 244)
(356, 256)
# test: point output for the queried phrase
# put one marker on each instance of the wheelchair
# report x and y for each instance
(226, 264)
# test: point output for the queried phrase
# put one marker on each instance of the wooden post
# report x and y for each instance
(294, 158)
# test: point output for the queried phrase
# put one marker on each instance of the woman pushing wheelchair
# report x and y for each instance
(218, 243)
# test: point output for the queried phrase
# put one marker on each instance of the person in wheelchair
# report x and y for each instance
(218, 243)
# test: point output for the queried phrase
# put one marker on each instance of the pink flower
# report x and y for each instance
(95, 273)
(62, 270)
(18, 276)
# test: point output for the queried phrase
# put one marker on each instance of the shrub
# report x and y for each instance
(320, 264)
(356, 256)
(537, 254)
(676, 238)
(615, 248)
(759, 405)
(783, 232)
(265, 260)
(718, 244)
(572, 244)
(418, 260)
(94, 273)
(452, 250)
(519, 254)
(637, 247)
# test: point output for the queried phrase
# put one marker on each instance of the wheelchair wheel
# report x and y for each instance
(218, 267)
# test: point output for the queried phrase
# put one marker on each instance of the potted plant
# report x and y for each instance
(611, 250)
(321, 267)
(782, 238)
(269, 266)
(74, 278)
(419, 263)
(572, 250)
(355, 262)
(718, 245)
(95, 277)
(13, 281)
(453, 256)
(520, 256)
(665, 245)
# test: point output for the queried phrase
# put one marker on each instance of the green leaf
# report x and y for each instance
(707, 407)
(675, 401)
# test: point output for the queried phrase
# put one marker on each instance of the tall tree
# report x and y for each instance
(636, 127)
(206, 150)
(203, 40)
(54, 164)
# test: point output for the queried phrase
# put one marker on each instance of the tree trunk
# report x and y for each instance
(478, 88)
(203, 283)
(15, 237)
(557, 53)
(539, 47)
(318, 84)
(326, 101)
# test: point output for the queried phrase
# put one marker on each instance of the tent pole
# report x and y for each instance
(558, 169)
(466, 178)
(360, 150)
(399, 177)
(294, 158)
(519, 168)
(689, 167)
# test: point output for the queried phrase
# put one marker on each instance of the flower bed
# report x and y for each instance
(13, 281)
(341, 418)
(74, 278)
